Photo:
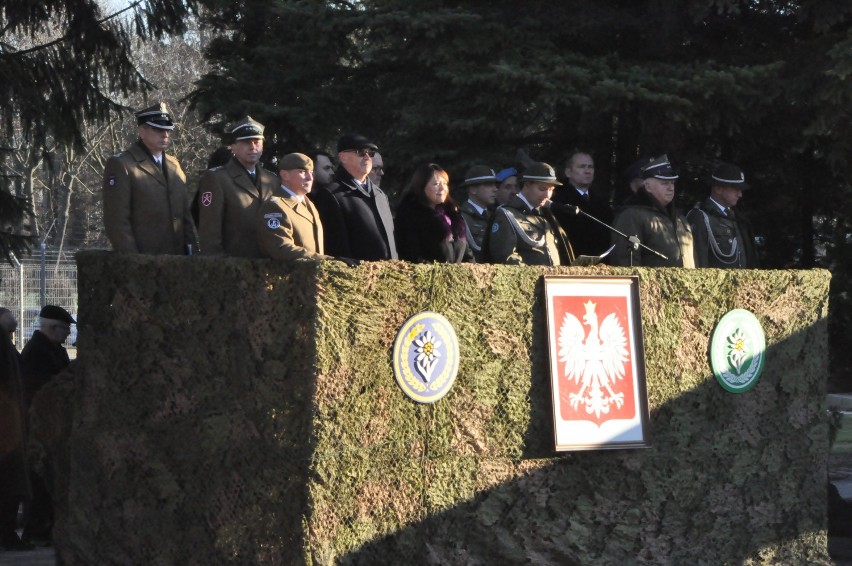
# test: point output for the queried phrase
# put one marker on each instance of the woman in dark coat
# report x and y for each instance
(428, 226)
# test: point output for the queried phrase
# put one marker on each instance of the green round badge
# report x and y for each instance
(737, 351)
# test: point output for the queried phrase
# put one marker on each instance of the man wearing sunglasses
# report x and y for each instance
(355, 213)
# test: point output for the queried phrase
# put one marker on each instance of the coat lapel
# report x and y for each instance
(146, 164)
(241, 178)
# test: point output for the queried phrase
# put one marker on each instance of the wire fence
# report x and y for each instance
(47, 277)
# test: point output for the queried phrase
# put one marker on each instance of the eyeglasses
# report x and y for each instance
(363, 152)
(378, 169)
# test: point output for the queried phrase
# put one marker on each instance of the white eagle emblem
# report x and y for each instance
(595, 361)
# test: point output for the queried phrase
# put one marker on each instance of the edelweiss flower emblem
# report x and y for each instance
(427, 354)
(426, 357)
(737, 350)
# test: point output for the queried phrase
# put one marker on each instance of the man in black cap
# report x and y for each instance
(481, 186)
(723, 237)
(587, 236)
(230, 196)
(41, 359)
(146, 203)
(356, 215)
(651, 217)
(524, 231)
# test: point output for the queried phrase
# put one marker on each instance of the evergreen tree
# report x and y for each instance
(61, 62)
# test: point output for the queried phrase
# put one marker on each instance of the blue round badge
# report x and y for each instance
(737, 351)
(426, 357)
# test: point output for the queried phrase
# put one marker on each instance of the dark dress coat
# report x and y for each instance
(587, 236)
(663, 229)
(357, 223)
(41, 359)
(229, 202)
(145, 210)
(423, 235)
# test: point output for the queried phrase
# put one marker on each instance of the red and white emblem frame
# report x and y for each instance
(597, 362)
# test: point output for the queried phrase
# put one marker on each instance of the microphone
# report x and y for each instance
(559, 207)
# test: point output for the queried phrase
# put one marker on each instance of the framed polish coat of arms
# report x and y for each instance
(597, 362)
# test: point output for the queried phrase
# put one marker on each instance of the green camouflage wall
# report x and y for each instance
(230, 411)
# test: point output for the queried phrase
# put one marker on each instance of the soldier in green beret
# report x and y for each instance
(288, 224)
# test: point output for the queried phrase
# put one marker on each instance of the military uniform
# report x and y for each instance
(722, 239)
(522, 236)
(288, 229)
(146, 209)
(663, 229)
(477, 224)
(229, 203)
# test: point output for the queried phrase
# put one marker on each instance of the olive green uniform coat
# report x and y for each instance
(146, 211)
(288, 229)
(229, 202)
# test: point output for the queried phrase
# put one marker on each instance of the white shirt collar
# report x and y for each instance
(582, 192)
(722, 208)
(299, 198)
(521, 196)
(476, 207)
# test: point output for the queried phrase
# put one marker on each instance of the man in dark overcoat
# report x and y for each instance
(356, 215)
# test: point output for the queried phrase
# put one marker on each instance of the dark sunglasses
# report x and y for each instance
(363, 151)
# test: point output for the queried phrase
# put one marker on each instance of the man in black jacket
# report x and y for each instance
(41, 359)
(587, 236)
(355, 213)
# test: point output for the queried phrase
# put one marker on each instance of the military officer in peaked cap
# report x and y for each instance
(146, 202)
(481, 186)
(723, 238)
(524, 230)
(230, 196)
(651, 216)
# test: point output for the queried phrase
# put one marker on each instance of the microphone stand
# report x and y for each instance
(634, 241)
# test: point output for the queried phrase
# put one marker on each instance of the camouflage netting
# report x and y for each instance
(235, 411)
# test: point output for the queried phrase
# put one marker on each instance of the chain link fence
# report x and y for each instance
(46, 277)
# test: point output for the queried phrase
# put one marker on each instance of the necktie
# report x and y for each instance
(730, 213)
(253, 177)
(585, 197)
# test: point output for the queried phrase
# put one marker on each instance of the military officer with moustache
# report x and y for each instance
(481, 186)
(723, 238)
(288, 224)
(230, 196)
(146, 202)
(524, 231)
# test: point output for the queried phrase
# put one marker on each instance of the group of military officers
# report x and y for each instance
(517, 218)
